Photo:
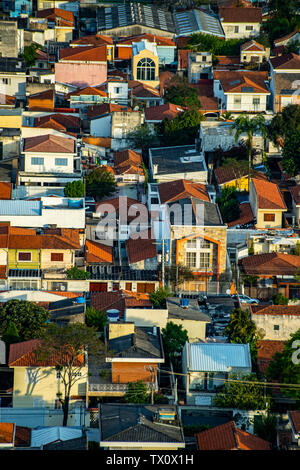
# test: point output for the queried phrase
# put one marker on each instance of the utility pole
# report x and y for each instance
(163, 264)
(152, 371)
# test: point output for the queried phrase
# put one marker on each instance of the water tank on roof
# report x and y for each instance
(80, 300)
(113, 315)
(184, 303)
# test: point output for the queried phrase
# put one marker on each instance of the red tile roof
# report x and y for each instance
(287, 36)
(228, 60)
(240, 15)
(59, 122)
(295, 192)
(229, 437)
(164, 111)
(275, 309)
(7, 431)
(183, 58)
(61, 17)
(7, 100)
(142, 248)
(181, 189)
(98, 253)
(90, 90)
(159, 40)
(22, 436)
(237, 81)
(105, 108)
(104, 142)
(49, 144)
(225, 174)
(295, 418)
(128, 161)
(246, 215)
(289, 61)
(270, 264)
(25, 354)
(253, 45)
(268, 195)
(5, 190)
(266, 351)
(70, 295)
(93, 40)
(83, 54)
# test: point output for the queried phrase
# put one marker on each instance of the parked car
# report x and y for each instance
(244, 299)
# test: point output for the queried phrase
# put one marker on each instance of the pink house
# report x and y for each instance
(82, 66)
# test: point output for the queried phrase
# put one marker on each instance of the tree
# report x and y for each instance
(69, 345)
(99, 183)
(174, 338)
(29, 54)
(201, 42)
(266, 428)
(181, 93)
(279, 299)
(249, 126)
(228, 204)
(241, 395)
(29, 319)
(284, 123)
(74, 189)
(241, 329)
(159, 297)
(284, 367)
(76, 273)
(178, 273)
(291, 153)
(11, 334)
(96, 319)
(137, 392)
(182, 130)
(142, 138)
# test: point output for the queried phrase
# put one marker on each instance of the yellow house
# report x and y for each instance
(232, 177)
(267, 204)
(11, 118)
(37, 383)
(145, 67)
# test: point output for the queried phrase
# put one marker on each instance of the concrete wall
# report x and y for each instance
(147, 316)
(9, 39)
(229, 30)
(49, 165)
(288, 324)
(81, 74)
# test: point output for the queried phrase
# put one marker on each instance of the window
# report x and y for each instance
(249, 28)
(154, 200)
(204, 58)
(145, 69)
(58, 375)
(256, 102)
(269, 217)
(57, 256)
(236, 29)
(61, 162)
(24, 256)
(6, 81)
(116, 90)
(191, 259)
(37, 161)
(276, 327)
(76, 374)
(191, 243)
(237, 102)
(204, 260)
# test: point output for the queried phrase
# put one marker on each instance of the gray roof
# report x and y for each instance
(197, 21)
(127, 14)
(168, 159)
(194, 211)
(193, 311)
(286, 83)
(134, 423)
(142, 344)
(218, 357)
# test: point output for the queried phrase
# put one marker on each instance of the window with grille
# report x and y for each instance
(204, 260)
(24, 256)
(191, 243)
(269, 217)
(57, 256)
(191, 259)
(145, 69)
(249, 28)
(61, 162)
(37, 161)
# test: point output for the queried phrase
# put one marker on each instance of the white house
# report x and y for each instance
(240, 22)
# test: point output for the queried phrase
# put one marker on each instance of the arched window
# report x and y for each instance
(145, 70)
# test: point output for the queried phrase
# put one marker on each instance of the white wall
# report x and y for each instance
(101, 127)
(49, 165)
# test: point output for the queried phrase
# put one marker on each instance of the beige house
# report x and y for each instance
(267, 204)
(37, 382)
(145, 63)
(276, 322)
(252, 51)
(190, 317)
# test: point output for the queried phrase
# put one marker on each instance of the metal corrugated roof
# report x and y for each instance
(218, 357)
(46, 435)
(20, 207)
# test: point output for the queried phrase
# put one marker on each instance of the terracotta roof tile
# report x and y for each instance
(7, 100)
(253, 46)
(7, 431)
(287, 36)
(270, 264)
(22, 436)
(246, 215)
(98, 253)
(105, 108)
(60, 122)
(240, 15)
(60, 16)
(142, 248)
(159, 40)
(180, 189)
(275, 309)
(295, 192)
(128, 161)
(71, 295)
(289, 61)
(268, 195)
(119, 300)
(229, 437)
(164, 111)
(238, 81)
(49, 144)
(93, 40)
(89, 53)
(104, 142)
(89, 90)
(266, 351)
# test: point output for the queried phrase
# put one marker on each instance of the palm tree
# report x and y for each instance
(245, 125)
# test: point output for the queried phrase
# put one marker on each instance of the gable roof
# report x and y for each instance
(289, 61)
(163, 111)
(7, 100)
(59, 122)
(83, 54)
(142, 248)
(49, 143)
(180, 189)
(246, 215)
(287, 36)
(253, 45)
(89, 90)
(275, 310)
(270, 264)
(268, 195)
(229, 437)
(295, 418)
(159, 40)
(242, 81)
(105, 108)
(128, 161)
(265, 352)
(295, 192)
(98, 252)
(93, 40)
(224, 174)
(24, 355)
(240, 15)
(60, 16)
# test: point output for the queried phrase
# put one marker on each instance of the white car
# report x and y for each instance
(244, 299)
